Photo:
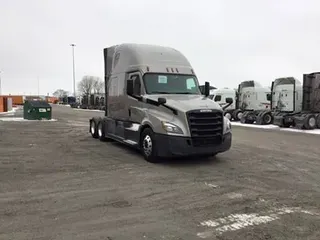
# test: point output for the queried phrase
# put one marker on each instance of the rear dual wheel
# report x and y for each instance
(97, 130)
(267, 118)
(93, 129)
(101, 132)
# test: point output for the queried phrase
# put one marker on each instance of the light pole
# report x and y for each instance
(74, 73)
(38, 82)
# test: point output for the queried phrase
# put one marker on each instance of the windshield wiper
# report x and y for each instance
(183, 93)
(161, 92)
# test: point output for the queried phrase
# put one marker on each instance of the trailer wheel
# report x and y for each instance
(93, 129)
(310, 122)
(148, 146)
(101, 133)
(267, 118)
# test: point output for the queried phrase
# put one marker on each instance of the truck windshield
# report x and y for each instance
(170, 84)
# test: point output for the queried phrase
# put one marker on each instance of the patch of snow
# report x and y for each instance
(9, 112)
(234, 195)
(314, 131)
(254, 125)
(211, 185)
(88, 110)
(20, 119)
(66, 105)
(236, 222)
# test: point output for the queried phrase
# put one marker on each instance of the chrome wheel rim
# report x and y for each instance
(92, 127)
(312, 122)
(100, 130)
(228, 115)
(147, 145)
(239, 115)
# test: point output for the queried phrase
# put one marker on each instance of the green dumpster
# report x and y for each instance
(37, 110)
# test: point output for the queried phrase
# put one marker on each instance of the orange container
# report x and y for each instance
(52, 99)
(3, 104)
(16, 99)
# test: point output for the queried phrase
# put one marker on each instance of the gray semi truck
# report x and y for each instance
(153, 103)
(303, 111)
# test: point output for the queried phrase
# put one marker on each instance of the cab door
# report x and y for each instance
(135, 106)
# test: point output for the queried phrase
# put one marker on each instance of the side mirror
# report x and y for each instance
(229, 100)
(269, 97)
(206, 89)
(162, 100)
(130, 87)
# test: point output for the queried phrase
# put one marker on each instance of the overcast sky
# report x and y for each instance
(227, 41)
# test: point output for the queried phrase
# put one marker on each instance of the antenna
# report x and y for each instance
(38, 86)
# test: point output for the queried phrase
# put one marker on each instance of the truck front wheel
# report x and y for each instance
(148, 146)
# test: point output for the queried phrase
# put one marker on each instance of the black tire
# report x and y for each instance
(148, 146)
(237, 114)
(267, 118)
(101, 132)
(310, 122)
(318, 121)
(93, 129)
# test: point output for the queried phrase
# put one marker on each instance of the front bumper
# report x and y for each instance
(170, 146)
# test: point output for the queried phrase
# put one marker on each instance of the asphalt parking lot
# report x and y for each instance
(56, 182)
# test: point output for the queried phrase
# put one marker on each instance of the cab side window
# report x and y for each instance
(217, 98)
(136, 84)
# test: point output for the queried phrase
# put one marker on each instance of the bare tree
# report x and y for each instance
(98, 86)
(85, 86)
(59, 93)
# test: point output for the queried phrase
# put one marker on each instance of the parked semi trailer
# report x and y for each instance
(250, 98)
(92, 101)
(153, 103)
(306, 114)
(285, 99)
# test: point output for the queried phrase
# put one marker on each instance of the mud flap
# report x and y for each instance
(248, 117)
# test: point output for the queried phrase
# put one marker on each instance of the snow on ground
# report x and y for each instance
(11, 112)
(314, 131)
(88, 110)
(20, 119)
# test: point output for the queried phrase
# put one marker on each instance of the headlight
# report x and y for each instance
(171, 128)
(226, 125)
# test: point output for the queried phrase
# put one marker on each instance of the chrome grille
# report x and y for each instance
(206, 127)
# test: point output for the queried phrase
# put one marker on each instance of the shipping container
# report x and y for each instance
(5, 104)
(16, 99)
